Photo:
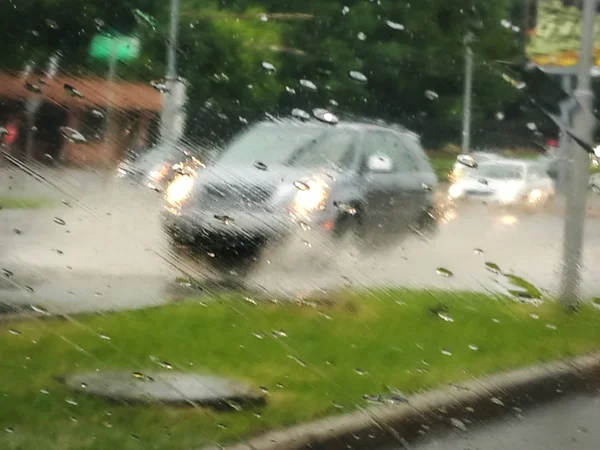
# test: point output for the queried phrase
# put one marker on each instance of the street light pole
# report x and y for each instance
(583, 126)
(468, 88)
(169, 113)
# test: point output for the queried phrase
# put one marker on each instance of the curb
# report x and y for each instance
(450, 406)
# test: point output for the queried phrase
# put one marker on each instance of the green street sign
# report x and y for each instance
(124, 48)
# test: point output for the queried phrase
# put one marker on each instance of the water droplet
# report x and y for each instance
(279, 385)
(84, 385)
(59, 221)
(297, 360)
(500, 116)
(345, 10)
(337, 405)
(268, 67)
(431, 95)
(17, 231)
(279, 333)
(222, 426)
(306, 243)
(505, 23)
(473, 347)
(302, 186)
(72, 134)
(44, 391)
(224, 219)
(444, 272)
(251, 300)
(300, 114)
(445, 317)
(446, 352)
(29, 289)
(264, 18)
(9, 429)
(358, 76)
(497, 401)
(456, 423)
(39, 310)
(551, 326)
(51, 24)
(105, 337)
(70, 401)
(290, 90)
(138, 375)
(98, 114)
(360, 371)
(534, 316)
(33, 87)
(361, 36)
(394, 25)
(72, 91)
(7, 273)
(478, 251)
(495, 320)
(325, 116)
(493, 267)
(260, 165)
(532, 126)
(257, 336)
(308, 84)
(516, 29)
(165, 365)
(264, 389)
(305, 226)
(14, 332)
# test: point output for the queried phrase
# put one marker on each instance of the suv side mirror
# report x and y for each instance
(379, 163)
(467, 160)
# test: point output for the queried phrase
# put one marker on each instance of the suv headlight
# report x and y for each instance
(179, 189)
(508, 193)
(311, 196)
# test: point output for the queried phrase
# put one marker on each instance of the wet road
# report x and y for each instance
(110, 253)
(571, 423)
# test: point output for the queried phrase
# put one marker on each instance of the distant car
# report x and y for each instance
(280, 178)
(595, 183)
(508, 182)
(465, 164)
(157, 167)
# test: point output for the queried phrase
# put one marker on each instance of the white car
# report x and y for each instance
(466, 164)
(508, 182)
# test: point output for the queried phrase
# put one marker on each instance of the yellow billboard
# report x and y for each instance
(555, 31)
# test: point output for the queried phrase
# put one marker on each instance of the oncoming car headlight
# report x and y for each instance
(179, 189)
(535, 196)
(455, 191)
(311, 196)
(508, 194)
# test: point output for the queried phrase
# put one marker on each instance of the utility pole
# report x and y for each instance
(169, 110)
(466, 126)
(583, 126)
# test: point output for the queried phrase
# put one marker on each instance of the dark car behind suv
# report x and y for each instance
(282, 178)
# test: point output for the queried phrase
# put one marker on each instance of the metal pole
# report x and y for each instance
(583, 127)
(466, 126)
(565, 140)
(168, 115)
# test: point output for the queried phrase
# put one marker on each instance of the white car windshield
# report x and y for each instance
(501, 171)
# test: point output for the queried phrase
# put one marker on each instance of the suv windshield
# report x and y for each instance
(501, 171)
(268, 144)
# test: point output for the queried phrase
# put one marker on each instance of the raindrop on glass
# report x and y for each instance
(345, 10)
(478, 251)
(165, 365)
(224, 219)
(308, 84)
(290, 90)
(497, 401)
(500, 116)
(32, 87)
(51, 24)
(532, 126)
(14, 332)
(260, 165)
(394, 25)
(72, 91)
(550, 326)
(44, 391)
(70, 401)
(505, 23)
(264, 18)
(7, 273)
(325, 116)
(473, 347)
(431, 95)
(360, 371)
(492, 267)
(445, 317)
(72, 134)
(302, 186)
(534, 316)
(361, 36)
(268, 67)
(358, 76)
(104, 337)
(456, 423)
(446, 352)
(444, 272)
(300, 114)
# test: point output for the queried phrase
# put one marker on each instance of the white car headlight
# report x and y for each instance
(508, 193)
(179, 189)
(455, 191)
(311, 196)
